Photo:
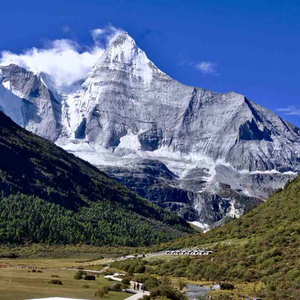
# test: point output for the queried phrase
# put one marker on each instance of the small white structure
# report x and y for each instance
(127, 257)
(188, 252)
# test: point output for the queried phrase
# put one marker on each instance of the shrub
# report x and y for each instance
(101, 292)
(79, 275)
(181, 285)
(89, 277)
(86, 286)
(115, 287)
(126, 281)
(149, 281)
(139, 269)
(168, 292)
(226, 286)
(165, 280)
(55, 281)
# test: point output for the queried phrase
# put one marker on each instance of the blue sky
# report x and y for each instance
(250, 47)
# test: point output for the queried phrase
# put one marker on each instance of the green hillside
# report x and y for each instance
(262, 246)
(50, 196)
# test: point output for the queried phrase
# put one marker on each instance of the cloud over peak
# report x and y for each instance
(291, 110)
(64, 59)
(206, 67)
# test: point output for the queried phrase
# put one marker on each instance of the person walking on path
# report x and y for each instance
(134, 286)
(138, 286)
(143, 288)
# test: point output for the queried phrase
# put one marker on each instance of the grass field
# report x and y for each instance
(56, 263)
(18, 284)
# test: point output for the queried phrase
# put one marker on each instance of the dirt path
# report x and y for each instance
(84, 270)
(138, 295)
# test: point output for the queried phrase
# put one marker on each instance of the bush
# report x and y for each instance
(165, 280)
(101, 292)
(126, 281)
(149, 281)
(55, 281)
(55, 276)
(226, 286)
(181, 285)
(89, 277)
(168, 292)
(139, 269)
(115, 287)
(86, 286)
(79, 275)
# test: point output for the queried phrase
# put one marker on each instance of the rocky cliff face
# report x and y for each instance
(31, 101)
(205, 155)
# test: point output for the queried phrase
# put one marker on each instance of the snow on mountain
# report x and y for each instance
(205, 155)
(31, 101)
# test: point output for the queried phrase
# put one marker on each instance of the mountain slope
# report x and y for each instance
(34, 166)
(215, 155)
(263, 245)
(126, 96)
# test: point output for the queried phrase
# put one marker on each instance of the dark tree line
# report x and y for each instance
(24, 218)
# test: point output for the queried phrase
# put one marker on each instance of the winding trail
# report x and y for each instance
(136, 294)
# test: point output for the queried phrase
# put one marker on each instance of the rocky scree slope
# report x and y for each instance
(205, 155)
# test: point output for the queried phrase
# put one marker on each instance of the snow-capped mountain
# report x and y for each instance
(206, 155)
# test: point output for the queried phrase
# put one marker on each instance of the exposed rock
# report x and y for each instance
(29, 101)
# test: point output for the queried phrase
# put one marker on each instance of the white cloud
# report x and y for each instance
(64, 59)
(105, 36)
(206, 67)
(290, 110)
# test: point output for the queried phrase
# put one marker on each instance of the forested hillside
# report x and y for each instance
(50, 196)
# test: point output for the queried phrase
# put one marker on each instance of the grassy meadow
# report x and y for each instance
(17, 283)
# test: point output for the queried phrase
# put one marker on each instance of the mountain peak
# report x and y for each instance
(123, 38)
(123, 55)
(122, 50)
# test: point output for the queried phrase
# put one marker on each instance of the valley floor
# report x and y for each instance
(18, 282)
